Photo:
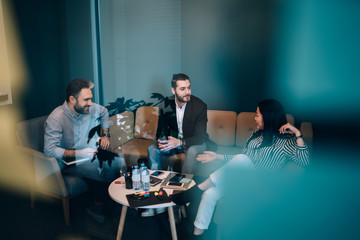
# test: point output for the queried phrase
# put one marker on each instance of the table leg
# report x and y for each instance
(121, 222)
(172, 223)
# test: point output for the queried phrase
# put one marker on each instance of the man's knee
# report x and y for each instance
(195, 150)
(154, 156)
(153, 148)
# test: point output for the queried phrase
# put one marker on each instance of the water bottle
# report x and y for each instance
(142, 165)
(145, 179)
(136, 178)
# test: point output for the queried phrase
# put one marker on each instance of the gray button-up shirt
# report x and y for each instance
(65, 130)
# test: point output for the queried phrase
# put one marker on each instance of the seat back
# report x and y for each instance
(306, 130)
(121, 129)
(146, 122)
(30, 133)
(246, 125)
(221, 127)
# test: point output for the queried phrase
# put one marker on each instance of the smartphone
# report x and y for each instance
(154, 181)
(177, 177)
(175, 184)
(157, 173)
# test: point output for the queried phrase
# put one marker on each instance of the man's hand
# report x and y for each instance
(104, 142)
(208, 156)
(85, 153)
(167, 145)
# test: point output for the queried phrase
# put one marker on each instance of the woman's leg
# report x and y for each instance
(240, 161)
(212, 188)
(206, 209)
(206, 184)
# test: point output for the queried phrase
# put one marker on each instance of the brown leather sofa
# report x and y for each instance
(227, 129)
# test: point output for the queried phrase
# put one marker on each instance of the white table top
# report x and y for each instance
(118, 192)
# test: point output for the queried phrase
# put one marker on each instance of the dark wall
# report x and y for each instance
(79, 40)
(225, 49)
(57, 45)
(41, 29)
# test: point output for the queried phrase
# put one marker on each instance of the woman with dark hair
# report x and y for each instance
(269, 148)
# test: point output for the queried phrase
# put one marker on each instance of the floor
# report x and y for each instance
(46, 221)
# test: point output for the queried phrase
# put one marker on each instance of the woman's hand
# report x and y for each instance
(207, 156)
(288, 128)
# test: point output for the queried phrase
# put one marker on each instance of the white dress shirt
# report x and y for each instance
(180, 117)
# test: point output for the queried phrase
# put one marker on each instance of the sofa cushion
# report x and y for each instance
(146, 122)
(134, 149)
(307, 132)
(221, 127)
(246, 125)
(121, 129)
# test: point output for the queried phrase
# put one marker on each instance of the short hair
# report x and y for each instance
(75, 86)
(178, 77)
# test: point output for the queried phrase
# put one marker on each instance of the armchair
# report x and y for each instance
(48, 178)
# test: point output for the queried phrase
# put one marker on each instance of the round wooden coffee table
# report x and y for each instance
(118, 193)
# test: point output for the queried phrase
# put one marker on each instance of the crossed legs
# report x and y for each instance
(190, 165)
(212, 188)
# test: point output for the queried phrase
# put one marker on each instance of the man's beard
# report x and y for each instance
(181, 99)
(82, 110)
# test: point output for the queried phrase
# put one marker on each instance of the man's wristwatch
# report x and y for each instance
(183, 143)
(107, 135)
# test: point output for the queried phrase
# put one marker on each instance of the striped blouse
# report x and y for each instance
(274, 157)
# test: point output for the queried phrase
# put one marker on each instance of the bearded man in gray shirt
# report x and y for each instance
(67, 138)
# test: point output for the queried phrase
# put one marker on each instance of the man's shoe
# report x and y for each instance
(148, 213)
(152, 211)
(160, 210)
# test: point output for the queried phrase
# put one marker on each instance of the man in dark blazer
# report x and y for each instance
(181, 126)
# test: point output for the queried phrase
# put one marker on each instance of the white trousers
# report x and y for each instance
(213, 194)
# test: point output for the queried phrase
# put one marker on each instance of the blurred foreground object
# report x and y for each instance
(15, 168)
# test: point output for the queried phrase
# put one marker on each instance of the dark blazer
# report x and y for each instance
(194, 122)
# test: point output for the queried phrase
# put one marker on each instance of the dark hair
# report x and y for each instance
(177, 77)
(75, 86)
(274, 117)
